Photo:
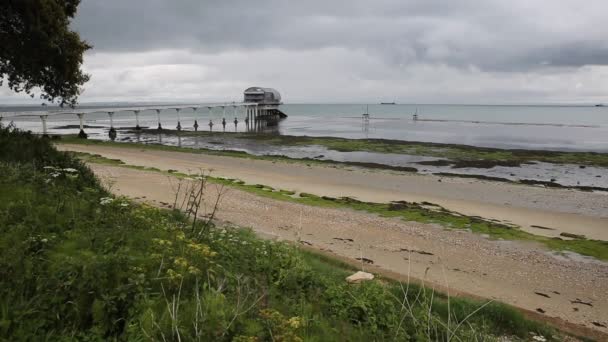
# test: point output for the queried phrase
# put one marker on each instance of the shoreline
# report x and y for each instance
(301, 139)
(466, 165)
(568, 211)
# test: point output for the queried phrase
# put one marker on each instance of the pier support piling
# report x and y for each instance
(81, 134)
(179, 125)
(137, 127)
(112, 132)
(160, 127)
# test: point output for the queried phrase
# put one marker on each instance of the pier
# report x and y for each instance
(260, 109)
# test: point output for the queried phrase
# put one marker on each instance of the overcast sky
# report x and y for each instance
(410, 51)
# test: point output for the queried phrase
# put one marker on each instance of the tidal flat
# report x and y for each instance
(580, 170)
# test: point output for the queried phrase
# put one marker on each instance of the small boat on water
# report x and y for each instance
(600, 105)
(388, 103)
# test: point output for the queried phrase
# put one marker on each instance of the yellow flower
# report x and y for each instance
(173, 275)
(295, 322)
(179, 261)
(193, 270)
(161, 242)
(203, 250)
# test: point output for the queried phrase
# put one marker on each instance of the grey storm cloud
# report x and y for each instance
(490, 35)
(450, 51)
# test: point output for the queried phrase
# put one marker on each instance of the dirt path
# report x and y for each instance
(521, 275)
(527, 206)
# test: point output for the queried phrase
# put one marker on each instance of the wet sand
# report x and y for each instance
(530, 207)
(522, 275)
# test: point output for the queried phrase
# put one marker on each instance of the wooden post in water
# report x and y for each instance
(81, 134)
(136, 112)
(112, 132)
(194, 115)
(210, 112)
(179, 125)
(160, 127)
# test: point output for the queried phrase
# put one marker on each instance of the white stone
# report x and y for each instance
(359, 277)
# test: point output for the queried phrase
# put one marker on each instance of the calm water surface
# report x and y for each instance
(572, 128)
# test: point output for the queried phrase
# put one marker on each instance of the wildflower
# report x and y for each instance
(70, 170)
(124, 204)
(193, 270)
(49, 168)
(155, 256)
(295, 322)
(539, 338)
(161, 242)
(106, 200)
(179, 261)
(173, 275)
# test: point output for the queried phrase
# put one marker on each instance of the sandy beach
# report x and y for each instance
(522, 275)
(529, 207)
(570, 290)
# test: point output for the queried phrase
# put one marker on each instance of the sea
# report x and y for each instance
(539, 127)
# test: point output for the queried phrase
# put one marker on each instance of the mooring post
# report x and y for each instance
(137, 127)
(81, 134)
(112, 132)
(194, 115)
(210, 125)
(160, 127)
(179, 125)
(210, 112)
(43, 117)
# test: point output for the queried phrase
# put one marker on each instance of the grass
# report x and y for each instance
(408, 211)
(79, 264)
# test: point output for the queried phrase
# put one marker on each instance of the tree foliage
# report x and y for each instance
(39, 50)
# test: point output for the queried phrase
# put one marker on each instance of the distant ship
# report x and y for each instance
(600, 105)
(387, 103)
